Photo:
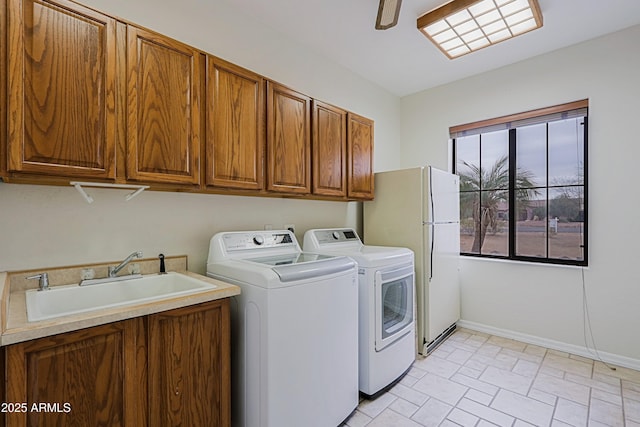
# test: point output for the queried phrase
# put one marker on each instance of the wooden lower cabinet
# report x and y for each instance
(3, 396)
(166, 369)
(189, 376)
(88, 378)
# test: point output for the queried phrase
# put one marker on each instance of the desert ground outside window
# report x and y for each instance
(523, 185)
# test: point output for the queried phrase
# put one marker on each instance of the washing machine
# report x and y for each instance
(387, 343)
(294, 330)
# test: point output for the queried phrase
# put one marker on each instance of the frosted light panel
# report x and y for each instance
(486, 22)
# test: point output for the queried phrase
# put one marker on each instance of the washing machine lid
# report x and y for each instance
(303, 266)
(376, 256)
(288, 259)
(281, 271)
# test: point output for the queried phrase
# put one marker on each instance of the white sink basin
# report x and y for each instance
(73, 299)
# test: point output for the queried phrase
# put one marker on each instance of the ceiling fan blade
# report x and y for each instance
(388, 13)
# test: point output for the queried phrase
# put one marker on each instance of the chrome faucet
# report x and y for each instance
(113, 271)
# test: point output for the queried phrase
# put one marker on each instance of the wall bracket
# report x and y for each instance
(80, 187)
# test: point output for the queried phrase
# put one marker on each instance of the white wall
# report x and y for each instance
(49, 226)
(53, 226)
(546, 301)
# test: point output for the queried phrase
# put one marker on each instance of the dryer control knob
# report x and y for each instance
(258, 240)
(335, 235)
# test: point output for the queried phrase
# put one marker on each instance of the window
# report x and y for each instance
(523, 185)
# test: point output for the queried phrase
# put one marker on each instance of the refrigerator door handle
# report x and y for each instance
(432, 236)
(433, 223)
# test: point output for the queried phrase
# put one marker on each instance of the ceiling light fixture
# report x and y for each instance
(463, 26)
(388, 12)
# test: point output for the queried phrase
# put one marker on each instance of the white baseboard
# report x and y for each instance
(611, 358)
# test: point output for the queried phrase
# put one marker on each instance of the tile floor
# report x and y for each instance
(475, 379)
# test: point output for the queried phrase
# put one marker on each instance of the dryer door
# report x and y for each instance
(394, 304)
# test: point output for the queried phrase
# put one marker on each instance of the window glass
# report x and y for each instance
(566, 152)
(566, 223)
(531, 156)
(469, 202)
(531, 225)
(494, 226)
(483, 166)
(468, 166)
(468, 156)
(494, 155)
(394, 307)
(523, 183)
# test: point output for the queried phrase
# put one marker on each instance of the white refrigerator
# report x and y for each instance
(419, 209)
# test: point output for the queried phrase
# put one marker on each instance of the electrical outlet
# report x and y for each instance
(290, 227)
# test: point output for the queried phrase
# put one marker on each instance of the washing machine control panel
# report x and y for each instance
(336, 236)
(258, 239)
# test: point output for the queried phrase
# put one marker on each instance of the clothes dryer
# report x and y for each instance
(387, 345)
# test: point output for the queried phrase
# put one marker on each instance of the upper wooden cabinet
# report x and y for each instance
(163, 122)
(61, 89)
(329, 150)
(360, 142)
(235, 127)
(288, 140)
(89, 96)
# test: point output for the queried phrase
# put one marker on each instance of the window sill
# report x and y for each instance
(520, 262)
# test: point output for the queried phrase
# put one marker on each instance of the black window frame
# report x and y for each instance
(511, 123)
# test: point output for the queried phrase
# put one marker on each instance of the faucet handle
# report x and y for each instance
(43, 279)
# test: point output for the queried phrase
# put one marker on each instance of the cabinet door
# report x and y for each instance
(360, 142)
(235, 127)
(61, 95)
(329, 150)
(3, 373)
(288, 140)
(164, 109)
(89, 377)
(3, 97)
(189, 366)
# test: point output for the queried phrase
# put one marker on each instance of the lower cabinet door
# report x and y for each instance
(82, 378)
(189, 366)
